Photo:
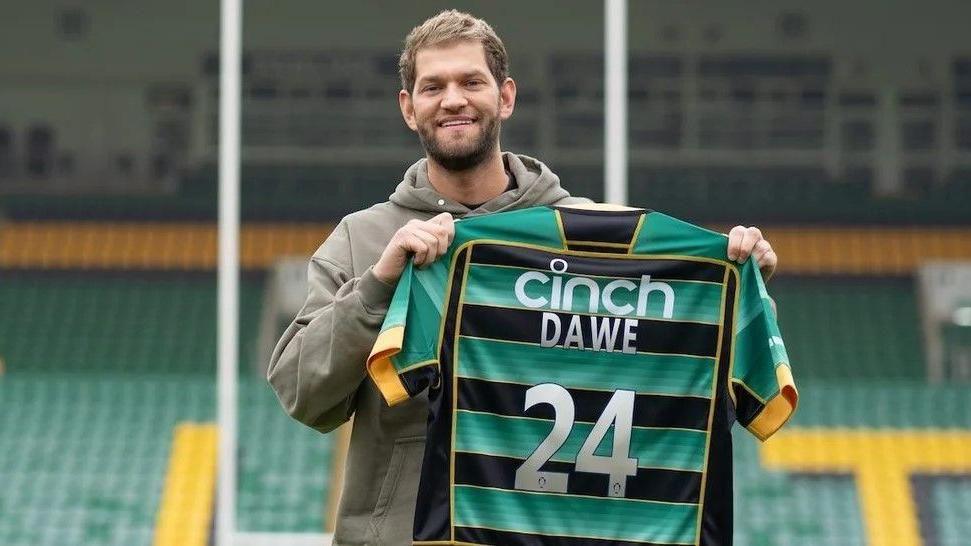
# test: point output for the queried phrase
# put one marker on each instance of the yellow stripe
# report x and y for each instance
(193, 245)
(455, 386)
(381, 369)
(714, 387)
(864, 251)
(637, 233)
(597, 243)
(559, 225)
(185, 513)
(148, 245)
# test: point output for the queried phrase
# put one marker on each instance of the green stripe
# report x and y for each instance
(535, 225)
(755, 355)
(645, 373)
(755, 361)
(693, 301)
(518, 437)
(422, 323)
(398, 309)
(605, 518)
(662, 234)
(434, 280)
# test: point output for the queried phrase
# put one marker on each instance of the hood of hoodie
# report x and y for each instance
(536, 185)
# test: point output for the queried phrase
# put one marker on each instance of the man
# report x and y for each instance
(455, 93)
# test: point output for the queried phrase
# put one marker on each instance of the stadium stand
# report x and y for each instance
(89, 455)
(127, 324)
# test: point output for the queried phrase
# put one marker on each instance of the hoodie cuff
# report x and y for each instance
(375, 293)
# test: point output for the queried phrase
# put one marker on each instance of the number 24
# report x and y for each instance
(618, 465)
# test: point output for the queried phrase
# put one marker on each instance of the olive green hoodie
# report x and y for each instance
(318, 367)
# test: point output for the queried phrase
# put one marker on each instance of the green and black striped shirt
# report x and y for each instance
(585, 367)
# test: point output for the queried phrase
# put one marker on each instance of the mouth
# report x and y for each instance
(456, 122)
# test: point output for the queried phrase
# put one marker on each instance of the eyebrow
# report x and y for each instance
(464, 76)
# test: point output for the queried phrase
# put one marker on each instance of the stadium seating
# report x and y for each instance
(161, 324)
(93, 449)
(850, 328)
(325, 192)
(824, 508)
(85, 456)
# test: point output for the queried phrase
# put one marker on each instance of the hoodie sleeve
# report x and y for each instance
(319, 363)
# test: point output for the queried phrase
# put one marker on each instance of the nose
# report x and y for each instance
(454, 98)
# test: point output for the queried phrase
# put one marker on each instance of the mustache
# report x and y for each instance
(485, 142)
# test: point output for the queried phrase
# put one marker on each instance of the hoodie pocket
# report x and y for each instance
(392, 520)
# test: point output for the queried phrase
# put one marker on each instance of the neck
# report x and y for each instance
(476, 185)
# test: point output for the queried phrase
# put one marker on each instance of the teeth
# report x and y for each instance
(451, 123)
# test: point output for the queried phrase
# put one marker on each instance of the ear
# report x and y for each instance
(407, 109)
(507, 98)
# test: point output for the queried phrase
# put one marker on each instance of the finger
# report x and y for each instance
(752, 236)
(445, 233)
(768, 264)
(448, 224)
(429, 245)
(761, 249)
(443, 241)
(414, 244)
(735, 241)
(434, 235)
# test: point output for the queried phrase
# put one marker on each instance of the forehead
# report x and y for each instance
(451, 58)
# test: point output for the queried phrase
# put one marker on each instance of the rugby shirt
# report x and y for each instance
(585, 366)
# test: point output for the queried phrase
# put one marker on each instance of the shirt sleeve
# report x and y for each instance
(761, 383)
(404, 359)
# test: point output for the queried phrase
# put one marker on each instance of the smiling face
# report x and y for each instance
(456, 106)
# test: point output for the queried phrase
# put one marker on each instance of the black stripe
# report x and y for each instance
(419, 379)
(432, 513)
(530, 258)
(717, 510)
(747, 406)
(612, 227)
(525, 325)
(596, 248)
(653, 484)
(649, 410)
(490, 537)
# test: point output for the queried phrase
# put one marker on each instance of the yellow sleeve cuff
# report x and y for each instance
(779, 409)
(381, 369)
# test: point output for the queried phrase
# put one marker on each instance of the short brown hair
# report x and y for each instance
(449, 26)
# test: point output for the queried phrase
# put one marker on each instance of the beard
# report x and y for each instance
(463, 155)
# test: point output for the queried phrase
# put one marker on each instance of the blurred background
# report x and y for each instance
(842, 129)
